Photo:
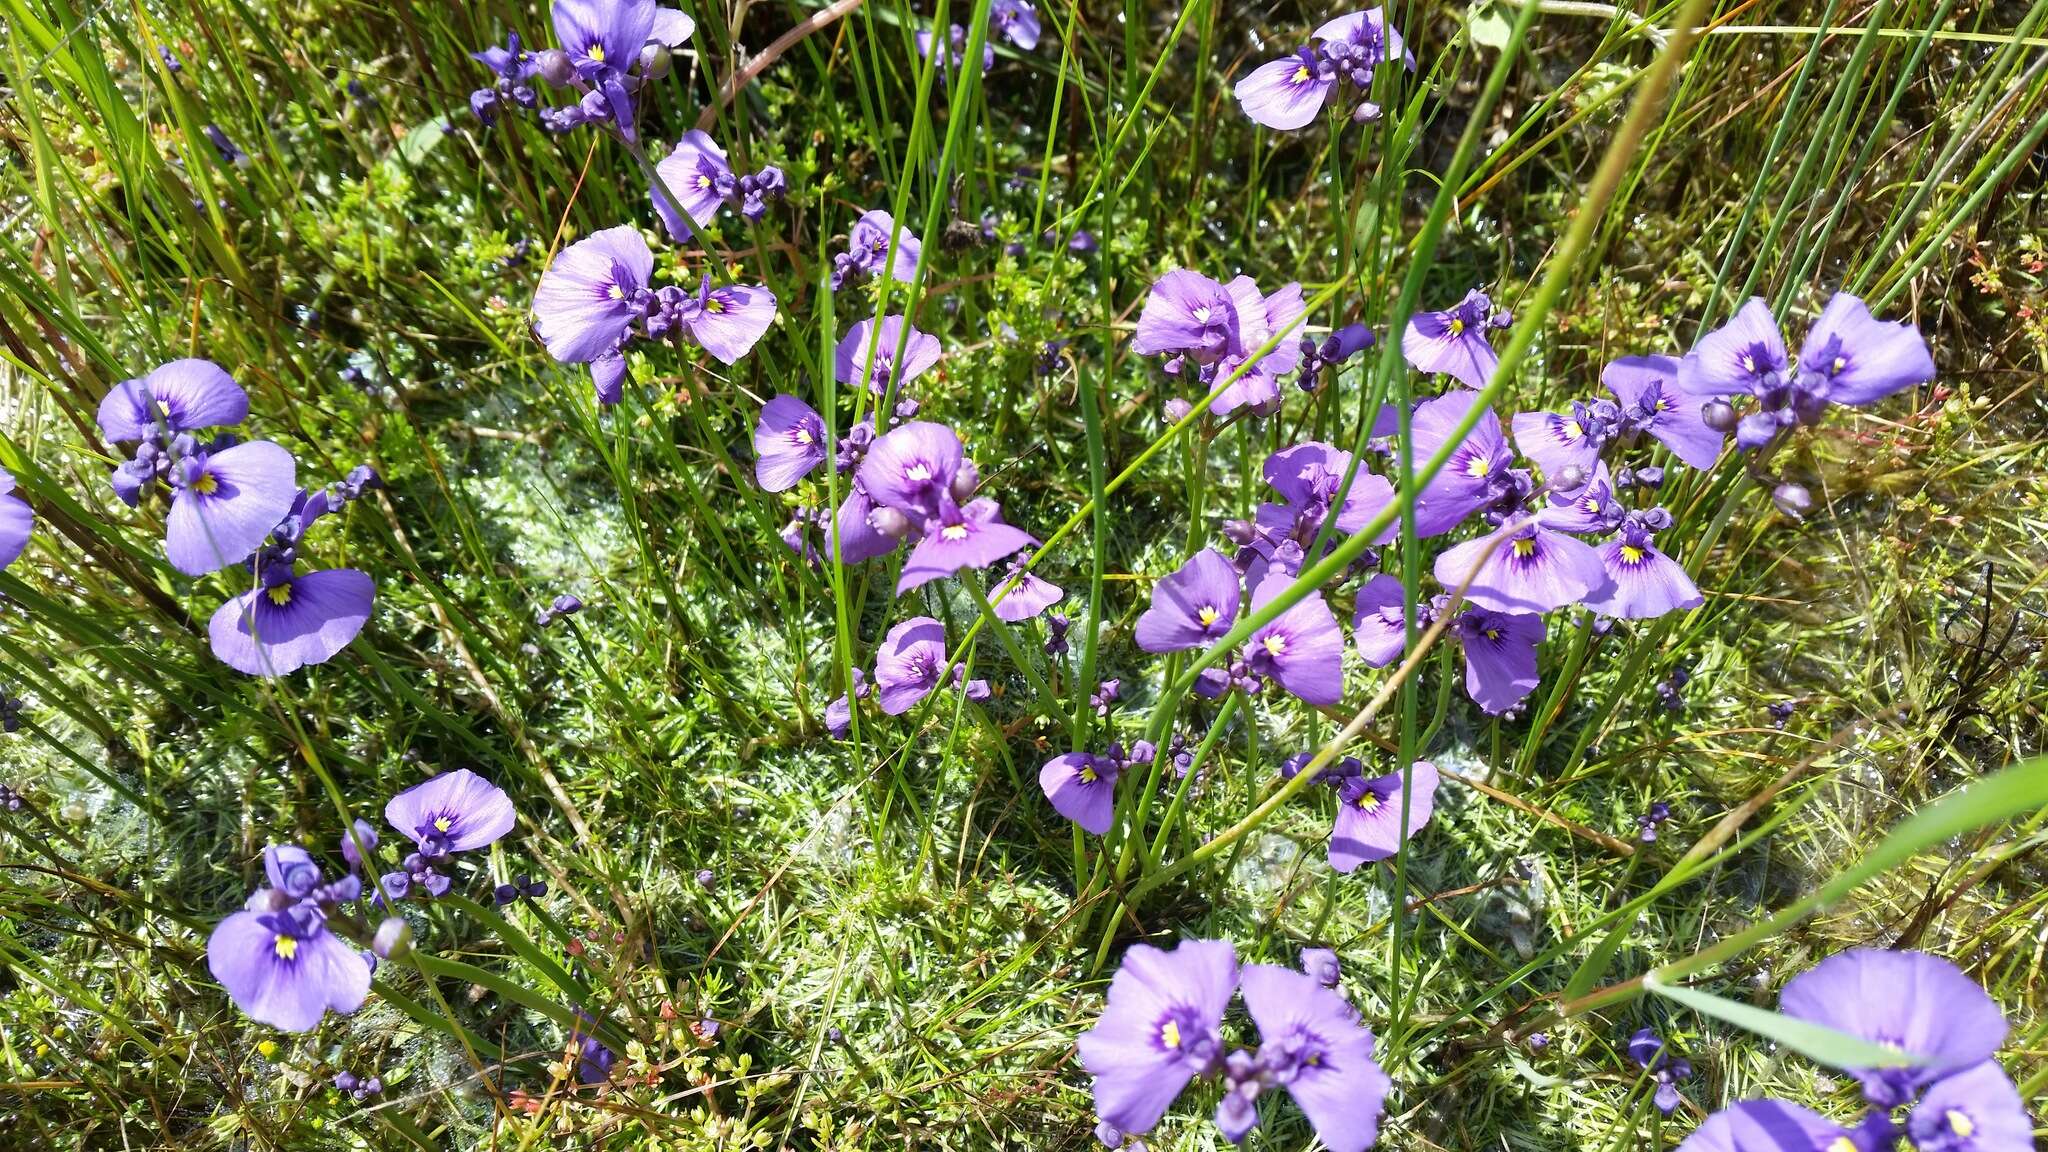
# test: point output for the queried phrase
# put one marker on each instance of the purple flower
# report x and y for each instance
(292, 621)
(853, 531)
(961, 537)
(1311, 1042)
(285, 968)
(1647, 387)
(603, 37)
(1288, 93)
(17, 521)
(1591, 507)
(1027, 594)
(1308, 476)
(956, 48)
(1017, 20)
(1369, 815)
(1500, 656)
(1642, 581)
(1524, 567)
(1259, 317)
(726, 322)
(910, 664)
(1453, 342)
(850, 358)
(1918, 1004)
(1975, 1110)
(867, 244)
(1302, 649)
(1557, 441)
(1768, 1126)
(1161, 1027)
(224, 504)
(1849, 357)
(590, 297)
(912, 469)
(1186, 313)
(1082, 787)
(697, 174)
(1379, 621)
(788, 442)
(1192, 607)
(1473, 475)
(181, 396)
(457, 811)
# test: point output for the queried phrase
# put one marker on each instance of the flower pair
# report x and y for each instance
(1163, 1026)
(1302, 649)
(1214, 330)
(1920, 1006)
(910, 664)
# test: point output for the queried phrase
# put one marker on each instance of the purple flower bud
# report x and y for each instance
(965, 481)
(654, 60)
(707, 879)
(1569, 478)
(1793, 500)
(1718, 415)
(555, 67)
(1178, 410)
(393, 940)
(889, 522)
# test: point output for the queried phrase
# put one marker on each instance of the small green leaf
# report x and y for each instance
(1487, 26)
(1820, 1044)
(421, 140)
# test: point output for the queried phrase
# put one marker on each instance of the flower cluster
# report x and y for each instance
(1289, 92)
(697, 174)
(609, 50)
(1162, 1027)
(910, 665)
(233, 502)
(597, 298)
(1957, 1097)
(294, 952)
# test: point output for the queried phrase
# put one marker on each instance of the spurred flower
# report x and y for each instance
(590, 297)
(910, 664)
(1557, 441)
(1288, 93)
(1308, 476)
(1257, 387)
(1082, 787)
(1652, 401)
(697, 174)
(224, 504)
(1500, 656)
(1642, 581)
(1453, 342)
(1017, 20)
(788, 442)
(604, 36)
(17, 521)
(1302, 649)
(973, 536)
(285, 968)
(457, 811)
(912, 469)
(1849, 357)
(853, 531)
(1369, 815)
(294, 621)
(1769, 1126)
(1161, 1027)
(851, 363)
(726, 322)
(1187, 314)
(1916, 1003)
(1027, 593)
(181, 396)
(956, 48)
(1195, 605)
(1975, 1110)
(1523, 567)
(1477, 468)
(1310, 1042)
(867, 251)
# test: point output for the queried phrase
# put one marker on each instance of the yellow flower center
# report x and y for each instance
(703, 181)
(1493, 633)
(1630, 554)
(1457, 326)
(1525, 547)
(1370, 802)
(1960, 1124)
(1842, 362)
(206, 485)
(597, 53)
(1169, 1035)
(281, 595)
(286, 947)
(918, 472)
(616, 292)
(1208, 615)
(1277, 645)
(1301, 74)
(803, 435)
(1573, 430)
(954, 532)
(443, 823)
(1748, 362)
(1478, 466)
(1088, 776)
(1841, 1144)
(714, 306)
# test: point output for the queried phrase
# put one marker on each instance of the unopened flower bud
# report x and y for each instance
(1718, 415)
(393, 940)
(654, 60)
(965, 481)
(1178, 410)
(555, 67)
(1569, 478)
(1793, 500)
(889, 522)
